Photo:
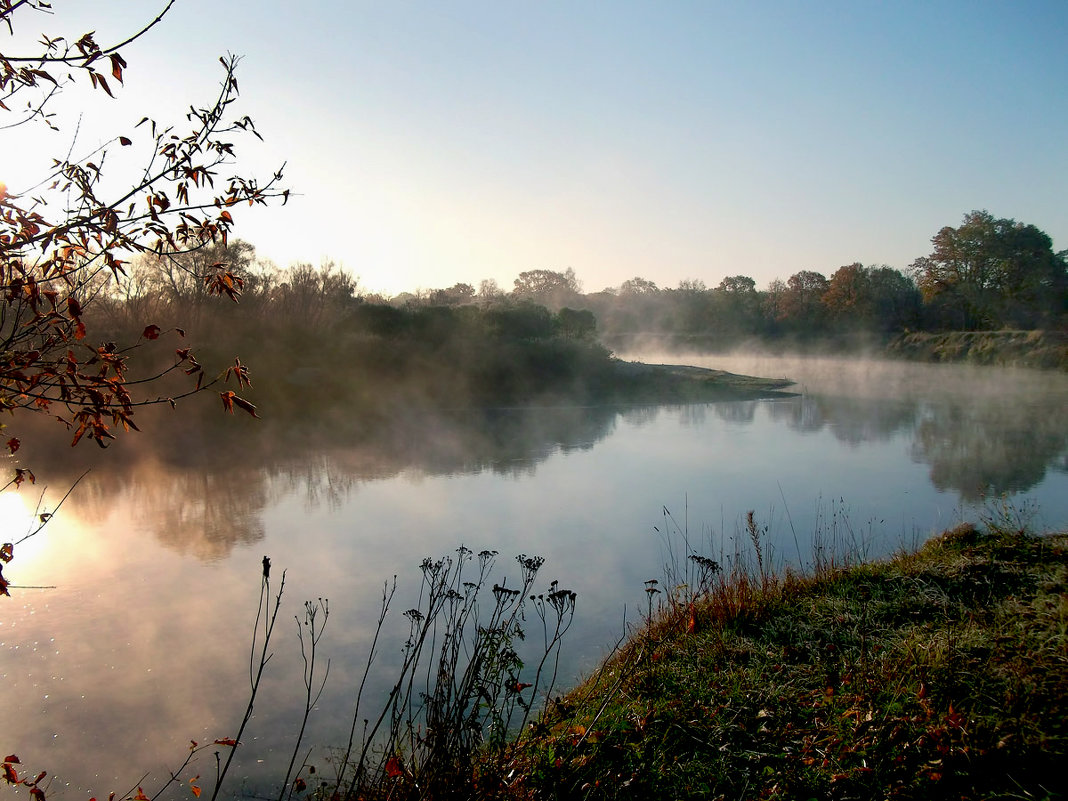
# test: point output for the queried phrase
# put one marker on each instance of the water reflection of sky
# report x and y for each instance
(143, 644)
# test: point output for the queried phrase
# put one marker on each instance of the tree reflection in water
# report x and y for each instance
(982, 432)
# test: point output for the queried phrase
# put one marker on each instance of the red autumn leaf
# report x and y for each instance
(99, 80)
(37, 793)
(141, 795)
(151, 332)
(78, 434)
(79, 330)
(393, 767)
(299, 785)
(230, 741)
(195, 789)
(13, 444)
(4, 584)
(244, 404)
(14, 760)
(240, 372)
(125, 141)
(117, 63)
(955, 720)
(228, 405)
(9, 772)
(7, 553)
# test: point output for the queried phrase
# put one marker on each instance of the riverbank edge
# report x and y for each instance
(1047, 350)
(641, 382)
(939, 673)
(1037, 349)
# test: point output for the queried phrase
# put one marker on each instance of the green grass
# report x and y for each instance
(938, 674)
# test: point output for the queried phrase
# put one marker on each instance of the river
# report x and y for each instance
(137, 640)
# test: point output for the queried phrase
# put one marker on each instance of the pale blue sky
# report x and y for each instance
(431, 143)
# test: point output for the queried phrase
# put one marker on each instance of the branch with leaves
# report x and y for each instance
(65, 243)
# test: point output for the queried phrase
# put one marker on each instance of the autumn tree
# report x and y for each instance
(878, 299)
(795, 306)
(70, 239)
(989, 273)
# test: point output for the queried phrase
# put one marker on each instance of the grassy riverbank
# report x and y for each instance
(938, 674)
(1041, 349)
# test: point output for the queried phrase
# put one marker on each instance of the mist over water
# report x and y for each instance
(143, 643)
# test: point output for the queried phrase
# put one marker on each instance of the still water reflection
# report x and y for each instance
(143, 643)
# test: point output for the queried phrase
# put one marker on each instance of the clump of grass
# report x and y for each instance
(940, 674)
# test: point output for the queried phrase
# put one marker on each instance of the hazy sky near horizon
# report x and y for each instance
(430, 143)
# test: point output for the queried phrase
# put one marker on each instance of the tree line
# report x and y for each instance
(987, 273)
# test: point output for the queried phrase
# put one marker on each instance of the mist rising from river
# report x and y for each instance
(142, 645)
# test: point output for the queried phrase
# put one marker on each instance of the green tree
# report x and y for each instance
(691, 286)
(638, 286)
(989, 273)
(692, 308)
(456, 295)
(736, 308)
(572, 324)
(547, 287)
(523, 322)
(737, 285)
(797, 305)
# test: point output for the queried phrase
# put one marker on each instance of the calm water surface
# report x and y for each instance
(142, 644)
